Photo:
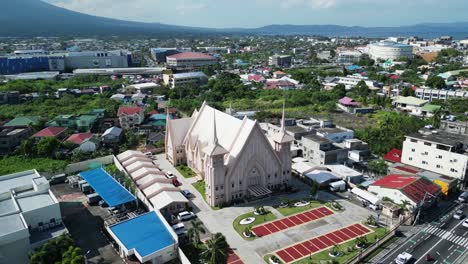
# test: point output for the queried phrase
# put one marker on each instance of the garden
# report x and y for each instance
(243, 223)
(185, 171)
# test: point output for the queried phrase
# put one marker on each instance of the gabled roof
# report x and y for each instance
(393, 155)
(115, 131)
(430, 108)
(409, 100)
(395, 181)
(79, 138)
(50, 132)
(23, 121)
(348, 101)
(129, 110)
(417, 189)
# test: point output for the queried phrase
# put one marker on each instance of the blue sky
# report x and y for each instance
(255, 13)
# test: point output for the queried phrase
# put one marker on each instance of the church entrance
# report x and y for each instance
(254, 183)
(254, 177)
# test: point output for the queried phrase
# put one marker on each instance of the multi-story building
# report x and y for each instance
(130, 116)
(189, 60)
(348, 57)
(335, 134)
(322, 151)
(10, 138)
(280, 60)
(185, 79)
(160, 54)
(439, 94)
(385, 50)
(351, 81)
(98, 59)
(29, 215)
(460, 127)
(437, 151)
(15, 64)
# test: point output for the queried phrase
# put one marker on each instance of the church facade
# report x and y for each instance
(234, 157)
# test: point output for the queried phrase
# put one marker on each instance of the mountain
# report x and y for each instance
(38, 18)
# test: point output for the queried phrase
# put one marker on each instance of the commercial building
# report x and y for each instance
(148, 237)
(185, 79)
(348, 57)
(160, 54)
(439, 94)
(416, 190)
(389, 50)
(190, 60)
(280, 60)
(98, 59)
(29, 215)
(120, 71)
(144, 88)
(234, 157)
(437, 151)
(16, 64)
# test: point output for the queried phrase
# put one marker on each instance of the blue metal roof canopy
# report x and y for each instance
(107, 187)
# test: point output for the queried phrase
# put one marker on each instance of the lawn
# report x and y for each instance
(259, 219)
(200, 187)
(287, 211)
(323, 255)
(185, 171)
(14, 164)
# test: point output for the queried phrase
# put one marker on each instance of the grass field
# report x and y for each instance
(259, 219)
(14, 164)
(287, 211)
(185, 171)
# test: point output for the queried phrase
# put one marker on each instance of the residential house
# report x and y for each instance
(85, 123)
(279, 74)
(11, 137)
(56, 132)
(85, 142)
(23, 121)
(409, 104)
(130, 116)
(459, 127)
(112, 136)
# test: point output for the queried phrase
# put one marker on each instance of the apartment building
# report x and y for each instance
(438, 94)
(321, 151)
(189, 60)
(437, 151)
(185, 79)
(280, 60)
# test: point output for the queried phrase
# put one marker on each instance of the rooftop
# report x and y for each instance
(79, 138)
(50, 132)
(34, 202)
(440, 137)
(7, 206)
(330, 130)
(23, 121)
(190, 75)
(10, 224)
(191, 55)
(129, 110)
(145, 234)
(20, 179)
(318, 139)
(395, 181)
(393, 155)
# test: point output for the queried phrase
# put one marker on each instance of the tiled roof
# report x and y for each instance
(395, 181)
(416, 190)
(79, 138)
(191, 55)
(129, 110)
(50, 132)
(393, 155)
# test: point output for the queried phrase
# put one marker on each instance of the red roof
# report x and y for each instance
(191, 55)
(416, 190)
(79, 138)
(410, 169)
(395, 181)
(129, 110)
(257, 78)
(153, 112)
(50, 132)
(393, 155)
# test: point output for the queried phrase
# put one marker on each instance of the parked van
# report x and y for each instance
(338, 186)
(179, 229)
(184, 216)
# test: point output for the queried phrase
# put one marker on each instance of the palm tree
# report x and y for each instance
(361, 241)
(335, 250)
(216, 249)
(194, 232)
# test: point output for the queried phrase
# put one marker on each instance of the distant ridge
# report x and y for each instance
(37, 18)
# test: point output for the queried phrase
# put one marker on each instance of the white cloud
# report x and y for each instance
(189, 6)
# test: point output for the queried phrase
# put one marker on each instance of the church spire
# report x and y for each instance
(215, 135)
(283, 121)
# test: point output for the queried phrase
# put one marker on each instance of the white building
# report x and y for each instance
(145, 88)
(130, 116)
(437, 151)
(97, 59)
(385, 50)
(351, 81)
(439, 94)
(234, 157)
(335, 134)
(348, 56)
(190, 60)
(29, 215)
(185, 79)
(409, 104)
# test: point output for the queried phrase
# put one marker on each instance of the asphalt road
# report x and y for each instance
(446, 241)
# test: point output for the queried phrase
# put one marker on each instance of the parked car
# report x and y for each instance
(459, 214)
(185, 216)
(170, 175)
(179, 229)
(176, 182)
(103, 203)
(463, 197)
(465, 223)
(186, 193)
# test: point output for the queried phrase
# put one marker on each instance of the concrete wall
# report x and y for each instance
(15, 252)
(43, 215)
(84, 165)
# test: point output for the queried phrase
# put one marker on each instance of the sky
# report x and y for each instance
(256, 13)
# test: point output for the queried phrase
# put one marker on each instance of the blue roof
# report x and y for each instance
(107, 187)
(353, 67)
(160, 116)
(146, 234)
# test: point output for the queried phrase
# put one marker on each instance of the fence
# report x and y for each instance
(85, 165)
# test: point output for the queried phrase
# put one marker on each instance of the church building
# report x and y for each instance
(234, 157)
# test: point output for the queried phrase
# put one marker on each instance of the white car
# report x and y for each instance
(459, 214)
(169, 175)
(465, 223)
(179, 229)
(185, 216)
(403, 258)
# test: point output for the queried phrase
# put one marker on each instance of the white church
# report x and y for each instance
(234, 157)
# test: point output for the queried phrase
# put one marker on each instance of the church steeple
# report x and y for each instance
(283, 120)
(214, 148)
(282, 136)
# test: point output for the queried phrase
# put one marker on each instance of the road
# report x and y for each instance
(446, 241)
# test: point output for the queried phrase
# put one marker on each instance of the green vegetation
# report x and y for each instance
(14, 164)
(347, 249)
(193, 252)
(274, 258)
(435, 81)
(185, 171)
(216, 250)
(200, 187)
(51, 107)
(291, 209)
(61, 250)
(126, 181)
(389, 131)
(378, 166)
(259, 219)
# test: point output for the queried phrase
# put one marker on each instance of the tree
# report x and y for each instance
(194, 232)
(314, 187)
(27, 147)
(436, 82)
(216, 249)
(47, 146)
(436, 117)
(339, 90)
(404, 205)
(362, 89)
(407, 91)
(378, 166)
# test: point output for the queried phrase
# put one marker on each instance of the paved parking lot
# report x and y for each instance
(85, 224)
(253, 251)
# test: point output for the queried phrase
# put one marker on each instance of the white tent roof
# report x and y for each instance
(124, 156)
(366, 195)
(166, 198)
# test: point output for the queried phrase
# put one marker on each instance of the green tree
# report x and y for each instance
(339, 90)
(27, 147)
(194, 232)
(47, 146)
(436, 82)
(407, 91)
(314, 187)
(361, 89)
(216, 249)
(378, 166)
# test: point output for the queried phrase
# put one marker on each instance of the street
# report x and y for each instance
(446, 241)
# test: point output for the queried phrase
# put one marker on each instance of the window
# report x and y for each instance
(438, 166)
(427, 144)
(268, 176)
(222, 187)
(276, 175)
(439, 156)
(216, 188)
(410, 158)
(424, 162)
(414, 140)
(413, 150)
(233, 185)
(240, 182)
